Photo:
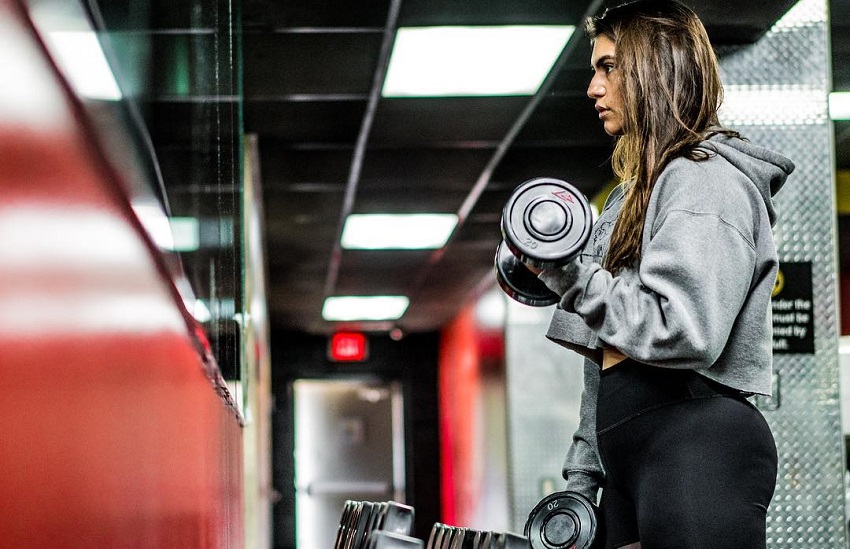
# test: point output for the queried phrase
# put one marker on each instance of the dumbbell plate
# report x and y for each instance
(546, 222)
(398, 518)
(519, 283)
(560, 521)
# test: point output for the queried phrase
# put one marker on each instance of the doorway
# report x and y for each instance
(349, 445)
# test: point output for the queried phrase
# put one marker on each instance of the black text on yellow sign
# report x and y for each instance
(792, 307)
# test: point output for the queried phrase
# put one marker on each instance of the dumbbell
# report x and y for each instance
(545, 223)
(563, 520)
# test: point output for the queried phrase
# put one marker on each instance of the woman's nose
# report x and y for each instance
(595, 89)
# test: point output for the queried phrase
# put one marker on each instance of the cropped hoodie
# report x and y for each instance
(698, 299)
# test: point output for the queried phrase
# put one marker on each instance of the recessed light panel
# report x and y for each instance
(373, 307)
(471, 61)
(397, 231)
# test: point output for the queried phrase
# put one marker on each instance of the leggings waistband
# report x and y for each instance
(632, 387)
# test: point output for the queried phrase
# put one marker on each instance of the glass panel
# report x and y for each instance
(175, 135)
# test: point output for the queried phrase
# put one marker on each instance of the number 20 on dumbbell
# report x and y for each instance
(563, 520)
(545, 223)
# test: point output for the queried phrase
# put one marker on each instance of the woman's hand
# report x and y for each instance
(533, 269)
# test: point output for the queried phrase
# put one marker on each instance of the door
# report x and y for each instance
(349, 445)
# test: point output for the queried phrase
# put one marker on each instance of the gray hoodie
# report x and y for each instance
(699, 297)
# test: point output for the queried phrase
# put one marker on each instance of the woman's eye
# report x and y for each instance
(608, 69)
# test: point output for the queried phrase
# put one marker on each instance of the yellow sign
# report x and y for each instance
(778, 284)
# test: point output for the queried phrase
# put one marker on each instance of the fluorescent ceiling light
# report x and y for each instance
(377, 307)
(201, 312)
(839, 105)
(153, 218)
(79, 55)
(185, 233)
(397, 231)
(463, 61)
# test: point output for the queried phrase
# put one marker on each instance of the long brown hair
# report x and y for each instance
(671, 90)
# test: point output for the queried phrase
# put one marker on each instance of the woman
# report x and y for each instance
(670, 299)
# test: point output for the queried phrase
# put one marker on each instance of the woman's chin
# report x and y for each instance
(612, 129)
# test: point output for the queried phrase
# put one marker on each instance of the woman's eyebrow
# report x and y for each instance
(601, 61)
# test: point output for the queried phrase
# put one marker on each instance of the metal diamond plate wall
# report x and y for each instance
(544, 383)
(776, 95)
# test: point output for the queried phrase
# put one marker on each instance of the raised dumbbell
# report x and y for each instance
(545, 223)
(563, 520)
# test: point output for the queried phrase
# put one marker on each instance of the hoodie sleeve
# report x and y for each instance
(582, 468)
(694, 275)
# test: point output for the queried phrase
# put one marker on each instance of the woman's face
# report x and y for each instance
(604, 86)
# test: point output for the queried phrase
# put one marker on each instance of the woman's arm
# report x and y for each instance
(582, 468)
(679, 310)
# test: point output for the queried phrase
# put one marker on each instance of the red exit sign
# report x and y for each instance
(348, 347)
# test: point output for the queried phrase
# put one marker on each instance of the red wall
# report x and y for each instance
(471, 384)
(459, 386)
(115, 429)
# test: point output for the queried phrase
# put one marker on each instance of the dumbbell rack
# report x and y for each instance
(387, 525)
(444, 536)
(376, 525)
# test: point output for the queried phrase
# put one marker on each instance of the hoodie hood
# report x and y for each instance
(768, 170)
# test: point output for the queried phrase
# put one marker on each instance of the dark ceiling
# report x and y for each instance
(329, 145)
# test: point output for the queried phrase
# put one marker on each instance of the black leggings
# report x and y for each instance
(689, 462)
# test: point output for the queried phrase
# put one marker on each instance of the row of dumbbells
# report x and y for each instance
(387, 525)
(545, 223)
(375, 525)
(563, 520)
(444, 536)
